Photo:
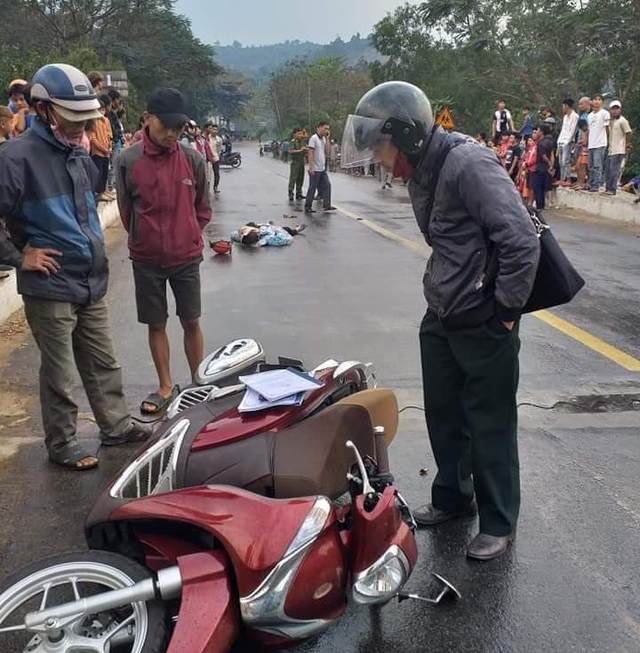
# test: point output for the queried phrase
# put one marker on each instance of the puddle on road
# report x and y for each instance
(612, 403)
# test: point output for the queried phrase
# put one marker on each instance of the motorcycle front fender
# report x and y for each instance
(209, 618)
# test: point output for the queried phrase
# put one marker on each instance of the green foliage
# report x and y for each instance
(304, 93)
(529, 52)
(259, 62)
(144, 37)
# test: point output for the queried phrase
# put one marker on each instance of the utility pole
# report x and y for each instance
(309, 97)
(274, 95)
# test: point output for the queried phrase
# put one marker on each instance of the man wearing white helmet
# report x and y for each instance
(46, 193)
(467, 208)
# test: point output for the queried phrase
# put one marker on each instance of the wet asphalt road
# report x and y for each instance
(572, 581)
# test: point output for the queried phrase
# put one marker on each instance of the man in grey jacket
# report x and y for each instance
(470, 214)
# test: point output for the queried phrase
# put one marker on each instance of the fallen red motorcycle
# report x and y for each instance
(226, 522)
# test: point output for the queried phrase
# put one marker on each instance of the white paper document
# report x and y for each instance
(252, 401)
(279, 384)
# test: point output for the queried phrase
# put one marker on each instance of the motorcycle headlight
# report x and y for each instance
(383, 579)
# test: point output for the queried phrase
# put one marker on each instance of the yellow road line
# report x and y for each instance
(421, 248)
(580, 335)
(604, 348)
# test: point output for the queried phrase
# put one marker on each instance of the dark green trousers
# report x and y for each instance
(296, 177)
(470, 380)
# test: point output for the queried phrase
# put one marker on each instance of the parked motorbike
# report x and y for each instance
(228, 523)
(233, 159)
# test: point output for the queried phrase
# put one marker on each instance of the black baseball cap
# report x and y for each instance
(170, 107)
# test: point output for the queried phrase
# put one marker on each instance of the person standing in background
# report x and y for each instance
(502, 122)
(101, 143)
(97, 81)
(115, 115)
(619, 134)
(513, 158)
(544, 166)
(335, 156)
(598, 122)
(215, 143)
(318, 149)
(188, 137)
(566, 140)
(297, 153)
(18, 105)
(527, 124)
(6, 124)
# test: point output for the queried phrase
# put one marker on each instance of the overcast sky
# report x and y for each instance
(256, 22)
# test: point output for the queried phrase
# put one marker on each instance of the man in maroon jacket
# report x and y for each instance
(163, 197)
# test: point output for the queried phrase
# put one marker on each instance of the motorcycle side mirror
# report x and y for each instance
(446, 591)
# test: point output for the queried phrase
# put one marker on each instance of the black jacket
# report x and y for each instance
(476, 209)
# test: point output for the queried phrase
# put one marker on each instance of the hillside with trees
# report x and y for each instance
(144, 37)
(260, 61)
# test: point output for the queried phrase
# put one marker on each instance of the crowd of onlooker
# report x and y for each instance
(281, 149)
(106, 137)
(586, 149)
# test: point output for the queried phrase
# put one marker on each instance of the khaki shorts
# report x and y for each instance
(151, 291)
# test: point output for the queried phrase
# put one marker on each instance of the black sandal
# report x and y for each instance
(70, 456)
(135, 434)
(161, 403)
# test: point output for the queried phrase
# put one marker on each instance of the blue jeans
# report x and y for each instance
(319, 181)
(596, 165)
(564, 156)
(613, 171)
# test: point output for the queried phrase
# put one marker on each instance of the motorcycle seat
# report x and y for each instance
(311, 457)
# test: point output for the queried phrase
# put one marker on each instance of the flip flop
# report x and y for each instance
(161, 403)
(135, 434)
(70, 456)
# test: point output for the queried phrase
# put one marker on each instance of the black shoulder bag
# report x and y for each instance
(557, 282)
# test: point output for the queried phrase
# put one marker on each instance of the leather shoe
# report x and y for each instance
(430, 516)
(488, 547)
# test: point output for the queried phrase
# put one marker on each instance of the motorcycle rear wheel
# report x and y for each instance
(138, 628)
(236, 163)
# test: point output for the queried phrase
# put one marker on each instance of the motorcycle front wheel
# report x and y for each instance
(137, 628)
(236, 163)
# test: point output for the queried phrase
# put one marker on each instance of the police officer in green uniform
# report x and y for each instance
(470, 214)
(298, 153)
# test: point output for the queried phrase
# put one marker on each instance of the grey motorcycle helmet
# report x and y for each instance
(394, 112)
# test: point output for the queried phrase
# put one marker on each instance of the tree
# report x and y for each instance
(535, 52)
(303, 93)
(145, 37)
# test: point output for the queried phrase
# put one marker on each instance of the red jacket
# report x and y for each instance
(163, 196)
